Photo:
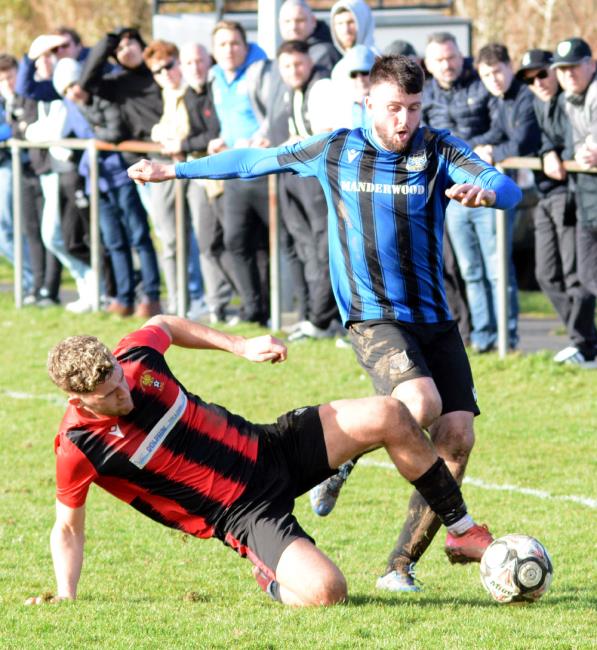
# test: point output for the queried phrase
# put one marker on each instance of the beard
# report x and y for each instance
(391, 140)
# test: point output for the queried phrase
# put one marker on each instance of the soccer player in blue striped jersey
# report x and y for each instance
(387, 188)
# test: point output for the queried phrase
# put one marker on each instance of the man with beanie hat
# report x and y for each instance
(575, 69)
(554, 216)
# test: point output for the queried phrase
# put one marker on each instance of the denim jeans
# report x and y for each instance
(473, 235)
(6, 226)
(123, 224)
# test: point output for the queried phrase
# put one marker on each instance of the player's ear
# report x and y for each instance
(73, 400)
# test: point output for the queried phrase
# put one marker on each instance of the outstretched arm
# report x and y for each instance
(66, 542)
(188, 334)
(301, 158)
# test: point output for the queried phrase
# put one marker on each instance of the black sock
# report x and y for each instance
(439, 488)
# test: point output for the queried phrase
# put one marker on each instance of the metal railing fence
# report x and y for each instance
(94, 147)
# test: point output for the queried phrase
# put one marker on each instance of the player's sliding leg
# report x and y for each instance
(304, 577)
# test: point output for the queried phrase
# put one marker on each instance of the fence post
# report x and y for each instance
(17, 215)
(181, 249)
(502, 281)
(274, 253)
(94, 232)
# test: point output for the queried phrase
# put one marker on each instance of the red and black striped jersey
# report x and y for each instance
(174, 457)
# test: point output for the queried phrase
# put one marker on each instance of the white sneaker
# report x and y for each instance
(80, 306)
(197, 309)
(307, 330)
(397, 582)
(571, 355)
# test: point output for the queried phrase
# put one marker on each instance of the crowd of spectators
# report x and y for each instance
(194, 99)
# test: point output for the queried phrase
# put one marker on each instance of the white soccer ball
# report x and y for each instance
(516, 568)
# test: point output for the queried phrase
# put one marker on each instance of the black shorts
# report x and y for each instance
(393, 352)
(292, 459)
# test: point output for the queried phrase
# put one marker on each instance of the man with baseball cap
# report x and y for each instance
(555, 214)
(575, 69)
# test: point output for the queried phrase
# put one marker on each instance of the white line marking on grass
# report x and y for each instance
(54, 399)
(540, 494)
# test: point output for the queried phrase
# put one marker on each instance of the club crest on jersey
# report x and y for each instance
(351, 154)
(416, 162)
(148, 381)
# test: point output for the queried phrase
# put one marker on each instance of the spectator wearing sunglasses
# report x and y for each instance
(162, 59)
(555, 214)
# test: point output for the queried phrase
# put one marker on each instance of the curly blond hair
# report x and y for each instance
(79, 364)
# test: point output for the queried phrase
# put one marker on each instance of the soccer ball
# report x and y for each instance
(516, 568)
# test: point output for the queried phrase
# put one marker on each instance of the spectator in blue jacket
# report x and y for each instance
(239, 85)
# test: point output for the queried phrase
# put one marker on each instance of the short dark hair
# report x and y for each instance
(292, 47)
(232, 26)
(493, 53)
(399, 70)
(68, 31)
(8, 62)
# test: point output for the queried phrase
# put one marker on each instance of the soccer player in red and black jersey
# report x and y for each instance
(133, 429)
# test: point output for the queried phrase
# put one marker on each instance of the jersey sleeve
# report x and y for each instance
(152, 336)
(301, 158)
(74, 473)
(464, 166)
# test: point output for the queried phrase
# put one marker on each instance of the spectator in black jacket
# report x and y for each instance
(131, 86)
(514, 132)
(302, 202)
(555, 214)
(454, 98)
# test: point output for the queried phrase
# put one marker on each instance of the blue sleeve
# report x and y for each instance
(27, 86)
(301, 158)
(5, 131)
(464, 166)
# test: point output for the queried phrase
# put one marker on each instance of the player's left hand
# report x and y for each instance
(265, 348)
(471, 196)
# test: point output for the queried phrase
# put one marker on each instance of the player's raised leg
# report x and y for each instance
(353, 426)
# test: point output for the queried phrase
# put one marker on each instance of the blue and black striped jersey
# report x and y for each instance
(385, 212)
